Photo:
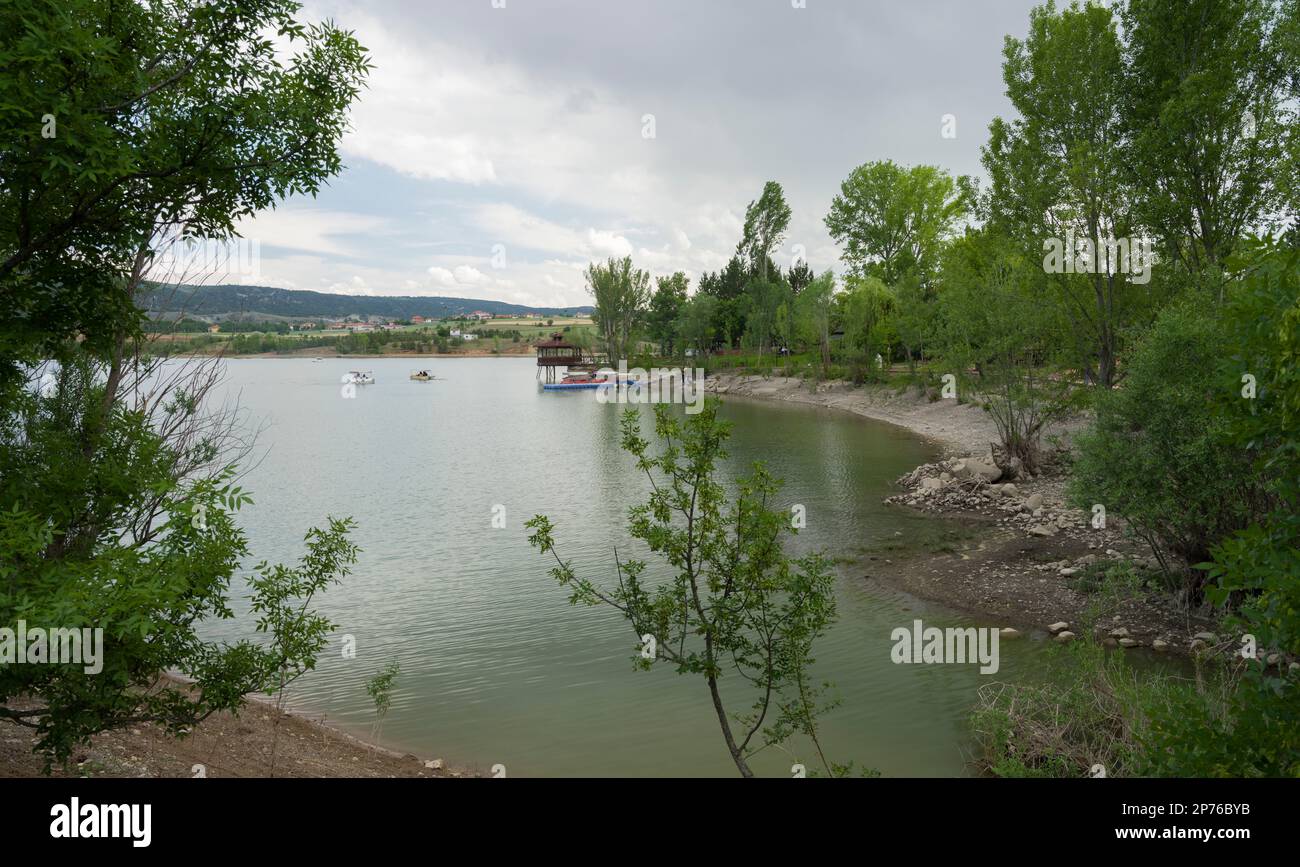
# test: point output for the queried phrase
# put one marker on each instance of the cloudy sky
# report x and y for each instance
(497, 151)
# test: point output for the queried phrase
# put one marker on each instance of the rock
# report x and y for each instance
(1008, 632)
(1042, 530)
(1197, 644)
(982, 471)
(1069, 572)
(1129, 642)
(945, 477)
(931, 484)
(1009, 490)
(434, 764)
(1109, 642)
(1035, 501)
(1121, 632)
(1207, 637)
(1065, 637)
(1159, 646)
(1058, 627)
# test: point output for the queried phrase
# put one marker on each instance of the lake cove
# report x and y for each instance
(496, 666)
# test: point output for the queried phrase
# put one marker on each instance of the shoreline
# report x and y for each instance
(227, 745)
(1029, 551)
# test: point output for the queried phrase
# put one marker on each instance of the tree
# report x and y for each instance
(695, 324)
(996, 336)
(732, 602)
(799, 276)
(119, 517)
(893, 220)
(665, 309)
(380, 690)
(728, 286)
(766, 221)
(865, 304)
(1058, 174)
(1210, 121)
(119, 118)
(622, 293)
(1160, 454)
(812, 315)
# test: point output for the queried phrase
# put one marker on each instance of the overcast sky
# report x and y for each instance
(521, 131)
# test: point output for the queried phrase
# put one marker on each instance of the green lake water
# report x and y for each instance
(496, 666)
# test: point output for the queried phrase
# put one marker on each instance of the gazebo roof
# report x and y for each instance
(557, 341)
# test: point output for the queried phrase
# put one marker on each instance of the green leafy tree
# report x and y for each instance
(695, 324)
(380, 690)
(119, 517)
(766, 221)
(1059, 176)
(622, 294)
(997, 337)
(1160, 455)
(812, 315)
(666, 309)
(118, 118)
(733, 605)
(892, 220)
(1211, 121)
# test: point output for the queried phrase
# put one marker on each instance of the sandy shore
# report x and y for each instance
(956, 428)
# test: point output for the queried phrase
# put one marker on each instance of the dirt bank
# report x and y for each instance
(224, 745)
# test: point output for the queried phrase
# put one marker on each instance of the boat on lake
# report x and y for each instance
(422, 376)
(578, 382)
(359, 377)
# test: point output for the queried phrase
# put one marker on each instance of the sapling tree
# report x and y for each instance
(733, 604)
(380, 690)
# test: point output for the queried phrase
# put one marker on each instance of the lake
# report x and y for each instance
(496, 666)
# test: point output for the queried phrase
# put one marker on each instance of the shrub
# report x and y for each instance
(1159, 452)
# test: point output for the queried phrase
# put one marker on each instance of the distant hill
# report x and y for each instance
(215, 303)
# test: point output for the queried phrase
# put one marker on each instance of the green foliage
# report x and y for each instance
(622, 293)
(1247, 722)
(1161, 454)
(1240, 723)
(995, 335)
(183, 113)
(1262, 560)
(108, 520)
(893, 220)
(733, 604)
(665, 311)
(766, 221)
(380, 690)
(1211, 120)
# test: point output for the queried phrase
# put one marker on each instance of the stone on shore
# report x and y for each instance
(1058, 627)
(1065, 637)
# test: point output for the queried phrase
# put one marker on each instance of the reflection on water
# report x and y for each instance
(496, 666)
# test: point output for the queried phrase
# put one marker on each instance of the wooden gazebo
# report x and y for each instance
(556, 353)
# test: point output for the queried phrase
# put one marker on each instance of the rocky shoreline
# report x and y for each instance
(1034, 561)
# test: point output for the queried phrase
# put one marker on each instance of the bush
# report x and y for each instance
(1160, 453)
